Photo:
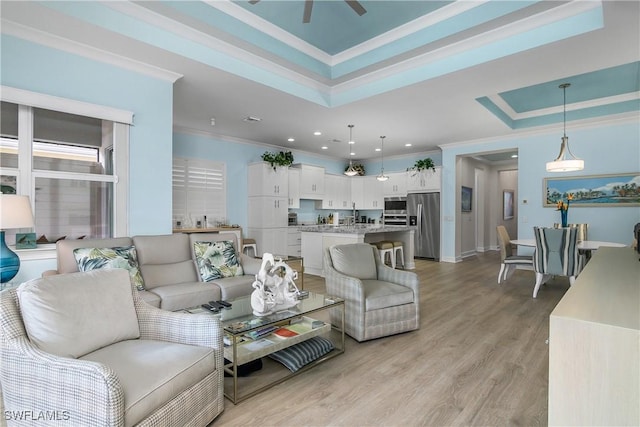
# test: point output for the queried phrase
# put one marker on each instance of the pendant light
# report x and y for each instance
(382, 176)
(351, 171)
(566, 161)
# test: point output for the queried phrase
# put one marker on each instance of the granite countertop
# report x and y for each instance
(354, 229)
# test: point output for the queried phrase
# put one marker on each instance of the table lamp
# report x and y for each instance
(15, 212)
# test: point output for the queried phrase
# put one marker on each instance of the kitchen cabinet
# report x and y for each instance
(267, 212)
(367, 192)
(294, 188)
(311, 181)
(313, 250)
(396, 185)
(425, 181)
(294, 242)
(337, 192)
(270, 240)
(262, 180)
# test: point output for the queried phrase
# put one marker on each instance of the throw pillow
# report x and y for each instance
(298, 355)
(216, 260)
(119, 257)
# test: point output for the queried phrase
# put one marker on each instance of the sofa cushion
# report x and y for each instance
(165, 259)
(73, 314)
(184, 295)
(216, 260)
(235, 287)
(118, 257)
(379, 294)
(150, 298)
(64, 250)
(354, 260)
(298, 355)
(153, 372)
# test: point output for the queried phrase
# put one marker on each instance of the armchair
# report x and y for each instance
(556, 254)
(379, 300)
(85, 349)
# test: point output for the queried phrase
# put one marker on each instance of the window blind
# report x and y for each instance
(199, 190)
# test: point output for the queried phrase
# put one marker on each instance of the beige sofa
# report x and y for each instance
(83, 349)
(168, 268)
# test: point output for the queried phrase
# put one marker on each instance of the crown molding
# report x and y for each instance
(624, 118)
(56, 42)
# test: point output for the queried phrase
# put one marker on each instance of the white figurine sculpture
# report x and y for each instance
(274, 287)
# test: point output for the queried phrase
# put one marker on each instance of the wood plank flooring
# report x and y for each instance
(479, 358)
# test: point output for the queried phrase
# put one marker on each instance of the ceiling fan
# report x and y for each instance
(308, 5)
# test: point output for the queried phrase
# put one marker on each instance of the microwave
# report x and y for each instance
(395, 205)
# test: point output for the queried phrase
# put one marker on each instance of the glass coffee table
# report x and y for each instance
(311, 317)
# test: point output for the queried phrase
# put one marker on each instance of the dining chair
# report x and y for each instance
(509, 261)
(556, 254)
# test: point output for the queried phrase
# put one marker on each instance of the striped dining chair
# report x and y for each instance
(556, 254)
(509, 260)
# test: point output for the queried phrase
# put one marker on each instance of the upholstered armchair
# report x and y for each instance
(556, 254)
(84, 349)
(509, 260)
(379, 300)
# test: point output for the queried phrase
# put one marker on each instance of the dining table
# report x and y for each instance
(583, 245)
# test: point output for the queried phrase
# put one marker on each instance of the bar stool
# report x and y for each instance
(398, 247)
(249, 244)
(386, 247)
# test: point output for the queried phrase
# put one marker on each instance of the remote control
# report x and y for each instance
(224, 303)
(210, 308)
(216, 305)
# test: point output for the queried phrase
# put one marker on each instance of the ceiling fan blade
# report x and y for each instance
(308, 5)
(356, 6)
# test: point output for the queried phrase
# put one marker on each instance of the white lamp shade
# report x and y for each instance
(565, 165)
(15, 212)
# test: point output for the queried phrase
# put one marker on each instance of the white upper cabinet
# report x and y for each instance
(337, 192)
(311, 181)
(264, 181)
(367, 192)
(396, 185)
(267, 212)
(294, 188)
(426, 180)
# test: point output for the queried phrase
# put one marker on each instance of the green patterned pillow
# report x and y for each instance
(216, 260)
(120, 257)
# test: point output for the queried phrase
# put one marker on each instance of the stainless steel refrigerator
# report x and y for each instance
(423, 211)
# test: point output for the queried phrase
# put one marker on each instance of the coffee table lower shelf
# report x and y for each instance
(237, 389)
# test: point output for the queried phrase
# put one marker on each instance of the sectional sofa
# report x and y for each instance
(171, 276)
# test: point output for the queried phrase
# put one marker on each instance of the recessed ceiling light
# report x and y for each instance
(324, 147)
(378, 149)
(407, 145)
(213, 121)
(352, 154)
(514, 156)
(291, 139)
(317, 133)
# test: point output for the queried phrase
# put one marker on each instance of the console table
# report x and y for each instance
(594, 344)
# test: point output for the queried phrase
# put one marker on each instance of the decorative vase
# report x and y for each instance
(563, 216)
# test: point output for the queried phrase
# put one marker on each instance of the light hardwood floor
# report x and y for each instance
(479, 358)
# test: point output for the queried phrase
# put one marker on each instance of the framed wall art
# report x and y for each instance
(466, 199)
(593, 190)
(507, 204)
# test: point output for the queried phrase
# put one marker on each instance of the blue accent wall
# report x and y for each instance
(36, 68)
(608, 149)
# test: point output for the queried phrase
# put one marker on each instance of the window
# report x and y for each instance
(199, 191)
(65, 163)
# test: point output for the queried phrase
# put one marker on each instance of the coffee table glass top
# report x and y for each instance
(240, 318)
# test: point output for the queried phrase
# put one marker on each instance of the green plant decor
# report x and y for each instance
(421, 165)
(278, 159)
(357, 166)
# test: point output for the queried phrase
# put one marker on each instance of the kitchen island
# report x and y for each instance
(315, 238)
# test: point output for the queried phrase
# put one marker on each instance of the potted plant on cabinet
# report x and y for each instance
(421, 165)
(281, 158)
